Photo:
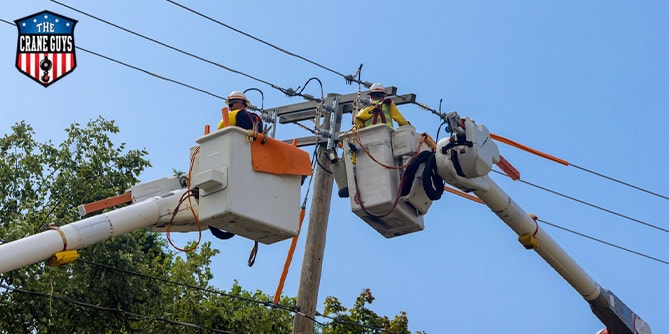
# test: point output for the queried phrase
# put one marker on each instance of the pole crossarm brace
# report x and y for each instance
(307, 110)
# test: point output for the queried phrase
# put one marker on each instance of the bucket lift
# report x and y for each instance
(248, 186)
(375, 158)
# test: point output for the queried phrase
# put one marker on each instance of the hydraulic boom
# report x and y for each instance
(153, 211)
(464, 161)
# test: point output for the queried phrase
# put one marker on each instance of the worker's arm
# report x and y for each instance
(363, 116)
(397, 115)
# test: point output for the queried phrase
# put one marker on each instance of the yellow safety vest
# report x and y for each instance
(381, 115)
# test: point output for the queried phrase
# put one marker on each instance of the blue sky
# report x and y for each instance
(585, 81)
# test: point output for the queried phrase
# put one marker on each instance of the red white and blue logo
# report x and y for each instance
(45, 50)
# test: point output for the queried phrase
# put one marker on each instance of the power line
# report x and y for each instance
(128, 272)
(287, 91)
(604, 242)
(523, 181)
(68, 300)
(151, 73)
(590, 204)
(650, 225)
(587, 236)
(421, 105)
(619, 181)
(292, 92)
(567, 163)
(349, 78)
(291, 309)
(72, 301)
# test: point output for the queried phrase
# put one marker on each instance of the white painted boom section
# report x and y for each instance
(519, 221)
(92, 230)
(464, 161)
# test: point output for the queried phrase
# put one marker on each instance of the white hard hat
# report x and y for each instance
(377, 88)
(237, 95)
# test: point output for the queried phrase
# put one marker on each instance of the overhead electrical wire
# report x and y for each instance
(348, 78)
(590, 204)
(151, 73)
(619, 181)
(283, 90)
(291, 92)
(567, 163)
(72, 301)
(164, 280)
(292, 309)
(111, 309)
(476, 199)
(604, 242)
(287, 91)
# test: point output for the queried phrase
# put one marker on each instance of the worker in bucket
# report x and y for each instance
(380, 110)
(239, 116)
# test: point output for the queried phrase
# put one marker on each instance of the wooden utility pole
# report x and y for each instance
(314, 249)
(319, 212)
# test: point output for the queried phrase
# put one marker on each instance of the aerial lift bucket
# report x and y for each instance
(252, 192)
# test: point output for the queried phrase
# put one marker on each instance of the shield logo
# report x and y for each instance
(45, 50)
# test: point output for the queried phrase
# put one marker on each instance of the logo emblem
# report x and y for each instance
(45, 50)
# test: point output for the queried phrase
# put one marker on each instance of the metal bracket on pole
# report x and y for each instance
(333, 123)
(307, 110)
(275, 118)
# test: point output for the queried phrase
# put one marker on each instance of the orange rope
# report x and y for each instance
(356, 136)
(463, 194)
(528, 149)
(188, 195)
(289, 259)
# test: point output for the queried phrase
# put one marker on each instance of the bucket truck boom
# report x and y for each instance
(233, 175)
(155, 210)
(464, 161)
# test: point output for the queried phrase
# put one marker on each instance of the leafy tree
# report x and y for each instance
(131, 283)
(360, 319)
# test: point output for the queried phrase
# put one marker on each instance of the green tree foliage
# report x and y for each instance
(360, 319)
(132, 283)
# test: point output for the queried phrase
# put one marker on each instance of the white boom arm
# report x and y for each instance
(152, 211)
(226, 178)
(464, 161)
